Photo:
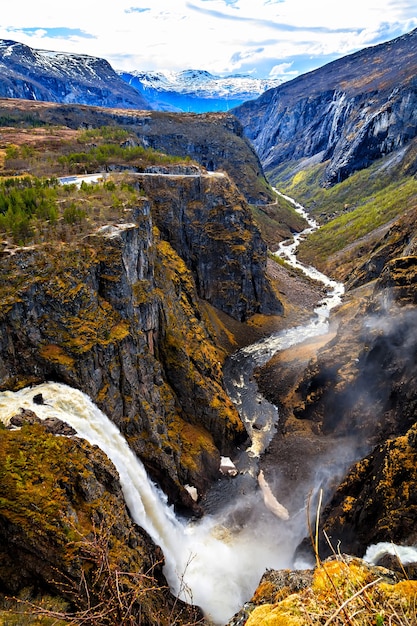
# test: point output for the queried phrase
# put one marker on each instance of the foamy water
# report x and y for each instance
(212, 563)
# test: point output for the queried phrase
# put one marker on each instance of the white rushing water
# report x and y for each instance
(287, 251)
(211, 563)
(218, 561)
(375, 552)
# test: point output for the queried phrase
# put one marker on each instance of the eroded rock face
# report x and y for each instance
(207, 222)
(338, 114)
(65, 530)
(119, 318)
(377, 501)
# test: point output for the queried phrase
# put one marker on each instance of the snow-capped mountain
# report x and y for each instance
(196, 90)
(63, 77)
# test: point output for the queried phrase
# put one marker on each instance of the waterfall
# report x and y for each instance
(214, 563)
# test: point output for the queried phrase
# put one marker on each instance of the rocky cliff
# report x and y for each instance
(122, 318)
(68, 546)
(340, 114)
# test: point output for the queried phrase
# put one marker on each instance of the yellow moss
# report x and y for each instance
(119, 331)
(193, 440)
(285, 613)
(406, 589)
(339, 574)
(56, 354)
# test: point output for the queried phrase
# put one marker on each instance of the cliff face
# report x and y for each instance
(119, 317)
(337, 114)
(207, 222)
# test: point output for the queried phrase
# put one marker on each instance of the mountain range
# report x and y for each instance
(61, 77)
(196, 90)
(64, 77)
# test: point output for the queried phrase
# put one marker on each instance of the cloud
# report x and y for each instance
(281, 71)
(136, 10)
(56, 33)
(221, 36)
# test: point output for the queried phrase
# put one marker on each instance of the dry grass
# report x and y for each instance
(345, 591)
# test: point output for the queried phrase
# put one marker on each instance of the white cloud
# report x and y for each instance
(282, 71)
(222, 36)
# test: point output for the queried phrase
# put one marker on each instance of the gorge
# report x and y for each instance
(154, 296)
(217, 562)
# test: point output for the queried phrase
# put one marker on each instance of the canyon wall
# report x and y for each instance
(338, 114)
(122, 316)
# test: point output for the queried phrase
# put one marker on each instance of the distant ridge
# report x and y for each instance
(63, 77)
(196, 91)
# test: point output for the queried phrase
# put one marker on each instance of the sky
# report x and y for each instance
(262, 38)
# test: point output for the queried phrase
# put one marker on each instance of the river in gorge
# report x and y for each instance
(215, 562)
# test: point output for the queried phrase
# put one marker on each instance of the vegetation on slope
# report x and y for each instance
(35, 208)
(355, 208)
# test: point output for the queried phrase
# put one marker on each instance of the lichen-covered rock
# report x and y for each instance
(208, 223)
(118, 317)
(377, 500)
(65, 530)
(336, 591)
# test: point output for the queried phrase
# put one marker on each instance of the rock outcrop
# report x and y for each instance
(207, 222)
(337, 114)
(65, 531)
(377, 501)
(337, 591)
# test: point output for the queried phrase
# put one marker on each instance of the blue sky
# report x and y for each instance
(263, 38)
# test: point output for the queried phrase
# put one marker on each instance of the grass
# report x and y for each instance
(353, 208)
(373, 212)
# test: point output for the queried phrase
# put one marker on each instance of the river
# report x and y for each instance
(218, 561)
(259, 416)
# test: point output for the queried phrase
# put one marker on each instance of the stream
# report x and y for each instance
(215, 562)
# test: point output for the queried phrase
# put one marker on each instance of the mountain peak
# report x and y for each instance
(65, 77)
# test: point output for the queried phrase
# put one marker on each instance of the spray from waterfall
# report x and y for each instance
(214, 563)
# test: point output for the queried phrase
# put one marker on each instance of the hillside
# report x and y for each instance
(215, 141)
